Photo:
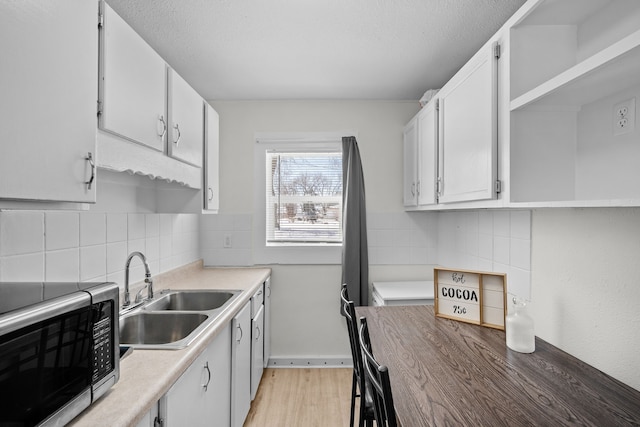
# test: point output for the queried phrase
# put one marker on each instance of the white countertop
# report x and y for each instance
(146, 375)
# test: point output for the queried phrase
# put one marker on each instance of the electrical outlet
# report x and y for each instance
(227, 241)
(624, 117)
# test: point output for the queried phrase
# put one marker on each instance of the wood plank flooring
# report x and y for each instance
(309, 397)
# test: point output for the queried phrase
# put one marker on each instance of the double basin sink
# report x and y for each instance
(173, 319)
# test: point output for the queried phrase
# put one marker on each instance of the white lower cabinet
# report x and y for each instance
(257, 350)
(241, 366)
(267, 321)
(150, 418)
(201, 396)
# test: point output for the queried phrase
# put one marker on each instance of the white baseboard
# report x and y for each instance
(306, 362)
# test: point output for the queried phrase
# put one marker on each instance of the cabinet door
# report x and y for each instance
(132, 84)
(201, 396)
(48, 99)
(267, 321)
(427, 154)
(186, 402)
(187, 123)
(468, 131)
(219, 389)
(211, 177)
(257, 350)
(410, 147)
(241, 366)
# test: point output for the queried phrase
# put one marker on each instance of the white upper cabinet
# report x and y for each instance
(211, 182)
(132, 84)
(420, 158)
(48, 100)
(410, 146)
(186, 121)
(467, 168)
(575, 83)
(427, 154)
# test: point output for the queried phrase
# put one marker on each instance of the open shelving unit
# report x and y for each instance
(572, 61)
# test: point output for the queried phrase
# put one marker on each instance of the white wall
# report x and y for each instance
(306, 322)
(586, 287)
(402, 245)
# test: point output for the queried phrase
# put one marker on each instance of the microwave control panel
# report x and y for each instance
(102, 341)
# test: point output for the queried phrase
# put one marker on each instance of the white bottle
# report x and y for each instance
(519, 328)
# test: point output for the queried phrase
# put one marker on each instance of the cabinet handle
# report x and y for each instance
(258, 334)
(206, 366)
(210, 194)
(239, 339)
(268, 295)
(413, 188)
(176, 127)
(89, 158)
(418, 188)
(164, 126)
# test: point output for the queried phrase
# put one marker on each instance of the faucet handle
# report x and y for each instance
(149, 286)
(139, 294)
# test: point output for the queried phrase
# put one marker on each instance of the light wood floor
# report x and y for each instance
(292, 397)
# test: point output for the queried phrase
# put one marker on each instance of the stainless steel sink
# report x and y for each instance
(158, 328)
(191, 300)
(173, 319)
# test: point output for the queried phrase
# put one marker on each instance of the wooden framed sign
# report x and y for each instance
(470, 296)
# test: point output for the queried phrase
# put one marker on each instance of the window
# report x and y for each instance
(303, 196)
(297, 220)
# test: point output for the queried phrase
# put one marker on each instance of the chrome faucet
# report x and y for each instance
(147, 279)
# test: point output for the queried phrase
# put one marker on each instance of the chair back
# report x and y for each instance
(378, 376)
(349, 312)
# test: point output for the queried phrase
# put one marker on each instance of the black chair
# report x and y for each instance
(378, 377)
(347, 309)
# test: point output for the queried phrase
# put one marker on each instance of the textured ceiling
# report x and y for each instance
(315, 49)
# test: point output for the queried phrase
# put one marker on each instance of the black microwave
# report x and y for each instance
(59, 350)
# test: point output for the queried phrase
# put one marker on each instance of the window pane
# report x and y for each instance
(304, 197)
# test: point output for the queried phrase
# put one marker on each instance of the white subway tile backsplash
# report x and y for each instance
(62, 230)
(166, 224)
(93, 262)
(21, 232)
(93, 229)
(152, 225)
(243, 222)
(503, 243)
(22, 268)
(521, 224)
(62, 265)
(152, 248)
(520, 253)
(485, 222)
(502, 223)
(87, 246)
(136, 226)
(485, 246)
(116, 227)
(501, 250)
(116, 256)
(137, 245)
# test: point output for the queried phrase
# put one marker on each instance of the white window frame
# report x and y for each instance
(330, 253)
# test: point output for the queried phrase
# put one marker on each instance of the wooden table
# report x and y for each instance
(445, 372)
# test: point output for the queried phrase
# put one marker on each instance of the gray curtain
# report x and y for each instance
(355, 255)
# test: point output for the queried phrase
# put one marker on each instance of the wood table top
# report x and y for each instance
(444, 372)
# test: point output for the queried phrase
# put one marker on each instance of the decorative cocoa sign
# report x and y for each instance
(471, 296)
